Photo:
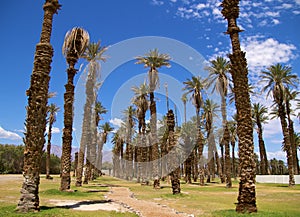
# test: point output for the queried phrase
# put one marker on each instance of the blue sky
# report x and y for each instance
(193, 28)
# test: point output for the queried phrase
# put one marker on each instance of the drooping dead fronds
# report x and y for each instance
(75, 43)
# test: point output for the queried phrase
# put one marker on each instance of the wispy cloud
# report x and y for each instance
(5, 134)
(264, 13)
(157, 2)
(263, 52)
(117, 122)
(55, 130)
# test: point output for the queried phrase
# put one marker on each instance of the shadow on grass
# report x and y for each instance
(233, 213)
(81, 203)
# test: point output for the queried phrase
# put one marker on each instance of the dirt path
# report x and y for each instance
(143, 208)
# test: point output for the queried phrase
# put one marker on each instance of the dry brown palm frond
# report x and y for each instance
(76, 41)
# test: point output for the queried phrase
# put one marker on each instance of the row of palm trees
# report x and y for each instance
(219, 76)
(75, 46)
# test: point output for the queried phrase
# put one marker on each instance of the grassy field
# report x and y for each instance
(210, 200)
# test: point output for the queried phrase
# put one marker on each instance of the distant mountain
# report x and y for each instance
(56, 150)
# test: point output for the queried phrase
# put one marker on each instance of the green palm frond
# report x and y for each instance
(195, 87)
(277, 78)
(218, 72)
(153, 60)
(259, 113)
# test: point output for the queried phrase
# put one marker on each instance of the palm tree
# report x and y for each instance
(154, 60)
(93, 54)
(239, 73)
(52, 110)
(106, 129)
(99, 110)
(195, 87)
(130, 122)
(36, 122)
(218, 78)
(175, 173)
(210, 109)
(118, 141)
(278, 78)
(259, 117)
(141, 103)
(75, 43)
(297, 140)
(289, 96)
(184, 99)
(233, 138)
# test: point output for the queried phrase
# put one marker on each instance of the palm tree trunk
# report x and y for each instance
(75, 163)
(219, 169)
(155, 150)
(233, 159)
(222, 163)
(175, 172)
(239, 72)
(36, 113)
(264, 166)
(226, 139)
(68, 129)
(292, 139)
(287, 143)
(48, 151)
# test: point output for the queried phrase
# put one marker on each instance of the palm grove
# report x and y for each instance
(148, 153)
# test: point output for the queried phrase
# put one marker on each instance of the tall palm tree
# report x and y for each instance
(195, 87)
(218, 78)
(130, 122)
(118, 141)
(233, 138)
(75, 43)
(154, 60)
(278, 78)
(290, 95)
(35, 122)
(259, 113)
(210, 109)
(106, 129)
(141, 103)
(297, 140)
(239, 73)
(52, 110)
(184, 99)
(99, 110)
(175, 173)
(93, 54)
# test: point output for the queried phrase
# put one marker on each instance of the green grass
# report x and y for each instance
(9, 211)
(213, 199)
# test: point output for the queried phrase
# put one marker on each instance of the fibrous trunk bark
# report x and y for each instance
(154, 146)
(68, 129)
(247, 194)
(37, 113)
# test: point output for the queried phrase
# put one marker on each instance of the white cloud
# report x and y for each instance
(296, 12)
(272, 128)
(116, 122)
(279, 155)
(262, 53)
(5, 134)
(275, 21)
(157, 2)
(55, 130)
(253, 13)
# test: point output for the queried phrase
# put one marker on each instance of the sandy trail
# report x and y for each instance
(143, 208)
